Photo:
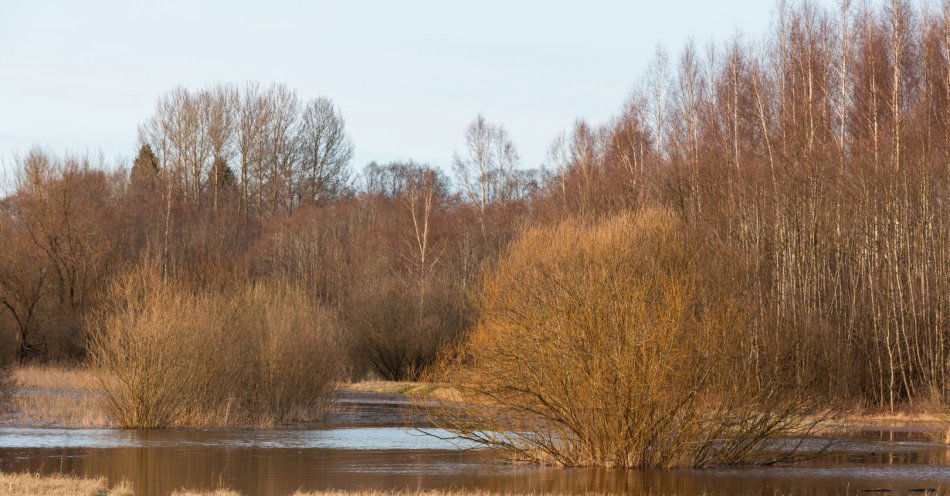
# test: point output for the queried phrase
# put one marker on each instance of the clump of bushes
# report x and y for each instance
(396, 328)
(616, 344)
(255, 354)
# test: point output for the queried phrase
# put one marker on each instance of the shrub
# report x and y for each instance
(167, 356)
(396, 330)
(8, 354)
(613, 345)
(8, 385)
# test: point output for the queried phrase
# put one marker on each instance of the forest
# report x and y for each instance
(763, 221)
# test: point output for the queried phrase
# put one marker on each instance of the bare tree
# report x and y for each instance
(23, 284)
(62, 210)
(486, 168)
(281, 146)
(325, 151)
(219, 109)
(252, 122)
(156, 133)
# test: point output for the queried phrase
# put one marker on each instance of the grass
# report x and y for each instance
(29, 484)
(26, 484)
(58, 396)
(413, 389)
(66, 396)
(56, 378)
(59, 410)
(216, 492)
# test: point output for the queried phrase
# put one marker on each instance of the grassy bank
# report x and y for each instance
(38, 485)
(411, 389)
(57, 396)
(67, 396)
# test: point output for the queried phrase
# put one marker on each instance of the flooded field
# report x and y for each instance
(367, 444)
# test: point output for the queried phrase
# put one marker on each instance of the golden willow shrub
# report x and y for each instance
(610, 345)
(255, 355)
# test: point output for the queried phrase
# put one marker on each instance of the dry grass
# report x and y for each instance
(68, 396)
(58, 396)
(56, 378)
(25, 484)
(65, 396)
(432, 390)
(82, 410)
(477, 492)
(216, 492)
(474, 492)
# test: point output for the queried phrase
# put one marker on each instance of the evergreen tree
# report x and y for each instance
(223, 182)
(145, 175)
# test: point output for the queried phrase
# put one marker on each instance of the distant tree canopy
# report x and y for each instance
(286, 154)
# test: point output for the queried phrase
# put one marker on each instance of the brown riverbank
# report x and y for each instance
(66, 397)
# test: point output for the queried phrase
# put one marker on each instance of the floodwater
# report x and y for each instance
(366, 445)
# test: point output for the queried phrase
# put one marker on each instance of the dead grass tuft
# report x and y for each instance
(57, 396)
(413, 389)
(60, 409)
(27, 484)
(56, 378)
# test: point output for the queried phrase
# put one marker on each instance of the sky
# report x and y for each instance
(409, 75)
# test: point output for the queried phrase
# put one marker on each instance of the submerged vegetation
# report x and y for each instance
(758, 239)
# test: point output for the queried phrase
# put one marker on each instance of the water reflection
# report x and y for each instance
(357, 438)
(277, 463)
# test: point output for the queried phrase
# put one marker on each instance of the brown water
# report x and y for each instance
(368, 446)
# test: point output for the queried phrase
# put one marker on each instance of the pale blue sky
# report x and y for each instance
(408, 75)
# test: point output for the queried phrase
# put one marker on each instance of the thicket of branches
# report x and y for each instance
(820, 159)
(817, 159)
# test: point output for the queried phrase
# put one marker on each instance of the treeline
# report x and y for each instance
(232, 186)
(809, 170)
